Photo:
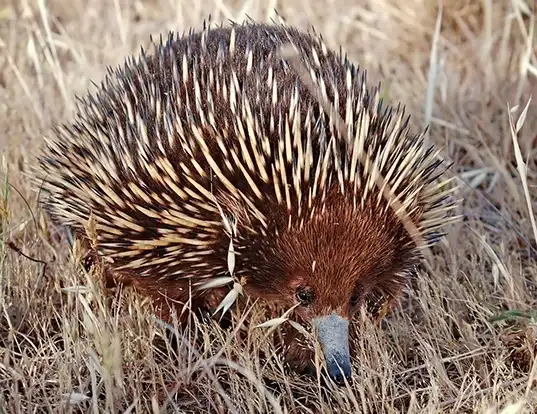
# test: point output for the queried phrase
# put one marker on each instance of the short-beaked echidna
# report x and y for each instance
(216, 129)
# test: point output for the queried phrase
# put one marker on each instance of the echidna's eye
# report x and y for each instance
(305, 296)
(356, 296)
(354, 300)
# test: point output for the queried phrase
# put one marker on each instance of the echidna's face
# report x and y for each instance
(337, 262)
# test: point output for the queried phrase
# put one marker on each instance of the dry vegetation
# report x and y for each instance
(64, 349)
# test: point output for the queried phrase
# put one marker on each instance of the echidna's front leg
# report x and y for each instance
(176, 301)
(211, 302)
(296, 351)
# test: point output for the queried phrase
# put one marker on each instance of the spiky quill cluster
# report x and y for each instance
(217, 127)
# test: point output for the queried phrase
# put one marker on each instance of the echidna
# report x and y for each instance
(216, 135)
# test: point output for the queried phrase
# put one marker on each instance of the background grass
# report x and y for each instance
(457, 67)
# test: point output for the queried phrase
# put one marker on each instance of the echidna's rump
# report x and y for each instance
(216, 126)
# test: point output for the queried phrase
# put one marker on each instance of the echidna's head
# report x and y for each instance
(341, 258)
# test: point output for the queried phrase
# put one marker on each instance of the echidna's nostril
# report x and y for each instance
(338, 379)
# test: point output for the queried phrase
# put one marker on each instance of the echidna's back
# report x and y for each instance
(205, 114)
(219, 118)
(207, 78)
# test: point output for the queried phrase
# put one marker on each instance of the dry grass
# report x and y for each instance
(64, 349)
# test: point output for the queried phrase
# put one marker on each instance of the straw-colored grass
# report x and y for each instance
(463, 339)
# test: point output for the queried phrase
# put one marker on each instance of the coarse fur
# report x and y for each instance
(216, 127)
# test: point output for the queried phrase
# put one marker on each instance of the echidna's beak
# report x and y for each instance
(333, 334)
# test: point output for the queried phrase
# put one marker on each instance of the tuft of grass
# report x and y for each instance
(463, 338)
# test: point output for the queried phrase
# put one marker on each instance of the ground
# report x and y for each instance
(463, 338)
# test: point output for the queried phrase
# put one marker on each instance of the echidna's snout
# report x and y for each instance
(333, 334)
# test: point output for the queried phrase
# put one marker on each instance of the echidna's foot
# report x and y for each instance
(209, 318)
(298, 355)
(210, 304)
(301, 364)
